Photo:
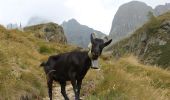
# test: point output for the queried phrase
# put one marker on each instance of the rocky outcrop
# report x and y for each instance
(78, 34)
(51, 32)
(151, 43)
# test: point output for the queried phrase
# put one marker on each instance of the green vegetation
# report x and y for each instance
(44, 49)
(165, 56)
(20, 56)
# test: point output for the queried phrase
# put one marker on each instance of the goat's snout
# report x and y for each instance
(95, 54)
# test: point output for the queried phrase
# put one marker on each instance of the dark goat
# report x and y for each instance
(72, 66)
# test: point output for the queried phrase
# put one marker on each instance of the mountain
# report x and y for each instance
(161, 9)
(78, 34)
(150, 43)
(49, 31)
(128, 18)
(36, 20)
(131, 16)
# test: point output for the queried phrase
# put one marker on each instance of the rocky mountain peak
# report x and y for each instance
(132, 15)
(128, 18)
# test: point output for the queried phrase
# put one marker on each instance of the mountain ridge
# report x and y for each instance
(78, 34)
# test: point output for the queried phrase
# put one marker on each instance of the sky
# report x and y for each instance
(97, 14)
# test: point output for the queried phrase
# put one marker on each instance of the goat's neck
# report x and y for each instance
(94, 63)
(87, 59)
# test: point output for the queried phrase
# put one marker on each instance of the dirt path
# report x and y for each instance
(57, 94)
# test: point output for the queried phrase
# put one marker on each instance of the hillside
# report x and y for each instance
(20, 56)
(78, 34)
(51, 32)
(132, 15)
(127, 79)
(20, 74)
(150, 43)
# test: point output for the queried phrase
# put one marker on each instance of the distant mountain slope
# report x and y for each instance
(78, 34)
(161, 9)
(131, 16)
(49, 31)
(151, 42)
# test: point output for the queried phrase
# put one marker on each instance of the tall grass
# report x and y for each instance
(127, 79)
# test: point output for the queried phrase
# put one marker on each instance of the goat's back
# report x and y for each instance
(76, 62)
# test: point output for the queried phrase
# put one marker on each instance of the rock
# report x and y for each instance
(162, 42)
(166, 26)
(51, 32)
(144, 37)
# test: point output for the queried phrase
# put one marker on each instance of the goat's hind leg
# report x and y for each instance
(49, 83)
(63, 90)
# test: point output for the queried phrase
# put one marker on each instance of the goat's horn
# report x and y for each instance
(89, 46)
(94, 35)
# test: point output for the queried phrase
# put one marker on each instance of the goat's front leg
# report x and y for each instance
(49, 83)
(63, 90)
(73, 82)
(79, 82)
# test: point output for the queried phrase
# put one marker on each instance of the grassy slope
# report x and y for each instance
(20, 56)
(126, 79)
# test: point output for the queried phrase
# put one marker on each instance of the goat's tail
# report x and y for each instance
(43, 64)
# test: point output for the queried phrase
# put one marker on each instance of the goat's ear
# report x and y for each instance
(108, 42)
(92, 37)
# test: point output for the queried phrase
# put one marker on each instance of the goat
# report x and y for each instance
(72, 66)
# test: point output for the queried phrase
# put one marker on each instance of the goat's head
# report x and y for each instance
(96, 48)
